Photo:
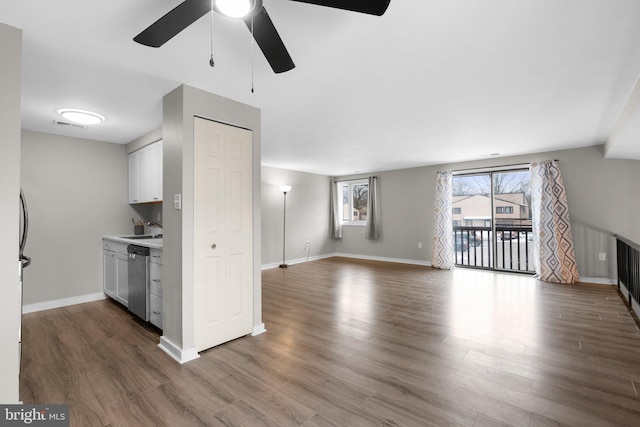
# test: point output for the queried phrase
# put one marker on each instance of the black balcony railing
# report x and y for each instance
(628, 263)
(474, 247)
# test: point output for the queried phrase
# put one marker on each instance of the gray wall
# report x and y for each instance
(602, 194)
(180, 106)
(406, 208)
(11, 54)
(307, 216)
(77, 192)
(144, 140)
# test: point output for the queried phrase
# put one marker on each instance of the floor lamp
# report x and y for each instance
(285, 189)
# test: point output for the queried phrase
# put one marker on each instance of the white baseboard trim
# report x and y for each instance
(599, 280)
(367, 257)
(634, 305)
(48, 305)
(258, 329)
(179, 355)
(296, 261)
(624, 290)
(386, 259)
(596, 280)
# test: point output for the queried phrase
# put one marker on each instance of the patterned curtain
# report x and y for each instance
(335, 226)
(554, 258)
(442, 256)
(373, 227)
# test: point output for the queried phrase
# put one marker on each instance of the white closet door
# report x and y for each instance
(223, 233)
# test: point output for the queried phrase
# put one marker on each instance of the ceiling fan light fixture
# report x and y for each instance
(235, 8)
(81, 117)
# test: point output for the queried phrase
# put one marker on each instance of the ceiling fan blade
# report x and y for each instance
(267, 37)
(179, 18)
(371, 7)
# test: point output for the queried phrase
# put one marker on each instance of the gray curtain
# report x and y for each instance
(554, 257)
(442, 254)
(335, 226)
(372, 228)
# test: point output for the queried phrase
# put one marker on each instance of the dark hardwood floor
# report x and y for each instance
(357, 343)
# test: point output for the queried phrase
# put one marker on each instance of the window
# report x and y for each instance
(495, 201)
(457, 211)
(355, 195)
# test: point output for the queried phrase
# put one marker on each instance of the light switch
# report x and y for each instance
(177, 202)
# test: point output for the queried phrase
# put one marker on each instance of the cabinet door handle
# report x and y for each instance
(213, 246)
(157, 313)
(156, 280)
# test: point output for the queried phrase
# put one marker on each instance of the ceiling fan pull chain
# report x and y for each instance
(252, 43)
(211, 60)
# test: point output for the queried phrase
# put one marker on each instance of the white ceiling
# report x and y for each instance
(429, 82)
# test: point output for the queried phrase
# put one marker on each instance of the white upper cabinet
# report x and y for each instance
(159, 170)
(145, 174)
(134, 177)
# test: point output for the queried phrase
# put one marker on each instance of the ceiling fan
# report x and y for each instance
(255, 16)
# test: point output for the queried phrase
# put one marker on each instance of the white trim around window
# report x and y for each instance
(353, 201)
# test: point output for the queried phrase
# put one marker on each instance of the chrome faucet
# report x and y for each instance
(151, 224)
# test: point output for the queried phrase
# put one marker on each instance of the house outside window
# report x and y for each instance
(355, 195)
(457, 211)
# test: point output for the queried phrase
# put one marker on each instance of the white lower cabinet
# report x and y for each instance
(110, 279)
(155, 288)
(115, 279)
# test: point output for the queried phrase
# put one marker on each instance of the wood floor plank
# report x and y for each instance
(356, 343)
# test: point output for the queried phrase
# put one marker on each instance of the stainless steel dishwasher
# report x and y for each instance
(139, 281)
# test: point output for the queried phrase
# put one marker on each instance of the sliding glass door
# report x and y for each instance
(492, 220)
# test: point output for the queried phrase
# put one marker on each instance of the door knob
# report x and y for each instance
(213, 246)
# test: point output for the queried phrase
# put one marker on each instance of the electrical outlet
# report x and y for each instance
(308, 244)
(602, 256)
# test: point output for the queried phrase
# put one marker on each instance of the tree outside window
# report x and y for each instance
(355, 195)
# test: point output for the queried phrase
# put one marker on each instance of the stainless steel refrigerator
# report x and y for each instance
(23, 260)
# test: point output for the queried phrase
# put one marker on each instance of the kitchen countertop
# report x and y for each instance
(150, 242)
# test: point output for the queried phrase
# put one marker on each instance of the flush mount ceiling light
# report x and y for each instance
(81, 117)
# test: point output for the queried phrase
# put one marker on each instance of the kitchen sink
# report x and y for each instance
(143, 236)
